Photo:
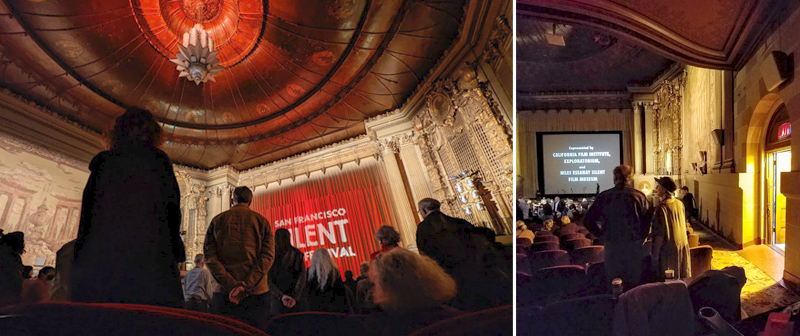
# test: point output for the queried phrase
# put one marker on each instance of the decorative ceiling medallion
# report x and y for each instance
(295, 90)
(262, 109)
(192, 116)
(227, 117)
(70, 48)
(202, 10)
(235, 24)
(112, 85)
(323, 58)
(197, 60)
(441, 108)
(342, 8)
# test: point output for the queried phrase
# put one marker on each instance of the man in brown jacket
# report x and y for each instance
(239, 251)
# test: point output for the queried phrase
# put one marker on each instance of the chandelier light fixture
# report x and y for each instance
(197, 60)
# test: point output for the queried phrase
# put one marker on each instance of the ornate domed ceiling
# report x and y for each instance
(298, 74)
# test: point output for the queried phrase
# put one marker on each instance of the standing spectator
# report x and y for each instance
(239, 251)
(287, 276)
(197, 291)
(12, 246)
(622, 211)
(364, 299)
(389, 239)
(466, 255)
(129, 245)
(64, 261)
(670, 242)
(325, 288)
(38, 290)
(688, 203)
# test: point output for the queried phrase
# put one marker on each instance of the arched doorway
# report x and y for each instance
(777, 159)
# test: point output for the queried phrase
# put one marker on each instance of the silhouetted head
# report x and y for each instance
(428, 205)
(135, 127)
(623, 175)
(387, 235)
(283, 241)
(242, 195)
(15, 241)
(47, 273)
(348, 275)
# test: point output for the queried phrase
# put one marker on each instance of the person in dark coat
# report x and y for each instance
(466, 255)
(325, 289)
(287, 276)
(12, 246)
(129, 245)
(688, 203)
(622, 210)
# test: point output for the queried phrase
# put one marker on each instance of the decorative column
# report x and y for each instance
(406, 225)
(638, 163)
(417, 177)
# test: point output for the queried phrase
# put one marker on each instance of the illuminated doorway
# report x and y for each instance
(777, 159)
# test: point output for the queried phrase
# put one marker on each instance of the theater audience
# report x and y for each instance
(388, 237)
(197, 286)
(12, 245)
(64, 260)
(325, 289)
(411, 289)
(349, 281)
(38, 289)
(670, 249)
(364, 291)
(128, 245)
(287, 276)
(549, 225)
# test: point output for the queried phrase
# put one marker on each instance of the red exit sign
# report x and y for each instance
(784, 131)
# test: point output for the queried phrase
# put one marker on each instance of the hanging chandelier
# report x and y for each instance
(197, 60)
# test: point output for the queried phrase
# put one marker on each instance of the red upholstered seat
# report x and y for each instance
(559, 281)
(524, 241)
(569, 228)
(544, 259)
(571, 236)
(596, 277)
(573, 244)
(67, 318)
(317, 323)
(701, 259)
(494, 321)
(542, 239)
(543, 233)
(591, 315)
(586, 255)
(546, 246)
(523, 264)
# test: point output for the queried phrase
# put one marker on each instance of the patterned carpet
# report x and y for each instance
(761, 293)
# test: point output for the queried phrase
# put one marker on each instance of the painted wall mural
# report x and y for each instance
(40, 195)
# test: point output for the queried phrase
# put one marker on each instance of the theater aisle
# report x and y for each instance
(762, 292)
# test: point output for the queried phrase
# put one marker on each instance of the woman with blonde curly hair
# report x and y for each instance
(411, 289)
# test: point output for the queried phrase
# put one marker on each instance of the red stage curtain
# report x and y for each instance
(359, 203)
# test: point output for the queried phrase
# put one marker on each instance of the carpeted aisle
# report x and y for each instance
(761, 293)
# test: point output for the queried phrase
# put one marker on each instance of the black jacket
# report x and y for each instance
(128, 243)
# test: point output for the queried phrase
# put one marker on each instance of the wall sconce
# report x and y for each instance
(704, 159)
(719, 136)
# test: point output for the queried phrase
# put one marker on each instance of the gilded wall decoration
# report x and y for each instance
(194, 213)
(667, 126)
(459, 131)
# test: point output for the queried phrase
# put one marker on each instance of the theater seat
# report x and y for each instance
(544, 259)
(573, 244)
(524, 242)
(586, 255)
(542, 239)
(67, 318)
(700, 259)
(559, 282)
(718, 289)
(546, 246)
(316, 323)
(571, 236)
(523, 264)
(591, 315)
(596, 277)
(494, 321)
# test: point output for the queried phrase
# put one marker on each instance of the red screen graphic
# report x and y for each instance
(339, 211)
